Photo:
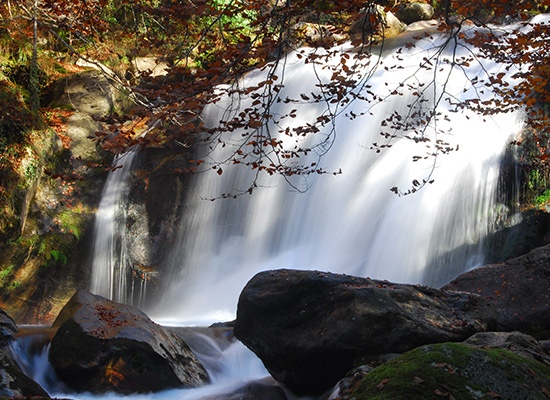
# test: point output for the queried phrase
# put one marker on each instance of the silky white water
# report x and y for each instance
(350, 222)
(110, 256)
(229, 363)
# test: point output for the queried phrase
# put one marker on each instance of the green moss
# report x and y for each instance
(438, 371)
(72, 221)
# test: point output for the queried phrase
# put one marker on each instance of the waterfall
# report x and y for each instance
(111, 269)
(351, 222)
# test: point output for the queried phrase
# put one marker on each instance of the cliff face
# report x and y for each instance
(44, 255)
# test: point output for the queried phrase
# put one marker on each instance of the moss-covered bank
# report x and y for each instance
(456, 371)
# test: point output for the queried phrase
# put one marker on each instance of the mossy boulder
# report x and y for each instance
(102, 346)
(456, 371)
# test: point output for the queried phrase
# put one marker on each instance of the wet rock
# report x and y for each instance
(347, 385)
(519, 288)
(308, 327)
(103, 346)
(7, 328)
(257, 390)
(13, 381)
(459, 371)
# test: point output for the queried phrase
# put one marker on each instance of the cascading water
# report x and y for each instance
(111, 266)
(351, 222)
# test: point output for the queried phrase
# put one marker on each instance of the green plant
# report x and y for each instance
(58, 256)
(5, 272)
(71, 221)
(30, 166)
(542, 198)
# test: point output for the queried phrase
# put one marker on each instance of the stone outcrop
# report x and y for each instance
(105, 346)
(308, 327)
(519, 288)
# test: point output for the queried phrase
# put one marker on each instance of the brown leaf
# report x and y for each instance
(494, 395)
(546, 392)
(381, 385)
(418, 380)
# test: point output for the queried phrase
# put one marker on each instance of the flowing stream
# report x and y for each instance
(350, 222)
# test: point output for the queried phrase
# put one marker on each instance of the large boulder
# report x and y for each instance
(519, 288)
(13, 381)
(103, 346)
(308, 327)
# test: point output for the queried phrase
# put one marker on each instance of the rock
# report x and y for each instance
(459, 371)
(374, 23)
(516, 342)
(345, 386)
(517, 235)
(13, 381)
(105, 346)
(308, 327)
(414, 12)
(256, 390)
(519, 288)
(7, 328)
(153, 66)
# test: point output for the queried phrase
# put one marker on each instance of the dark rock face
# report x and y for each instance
(104, 346)
(13, 381)
(308, 327)
(519, 288)
(7, 328)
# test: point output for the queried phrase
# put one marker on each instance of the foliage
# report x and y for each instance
(16, 119)
(58, 256)
(211, 44)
